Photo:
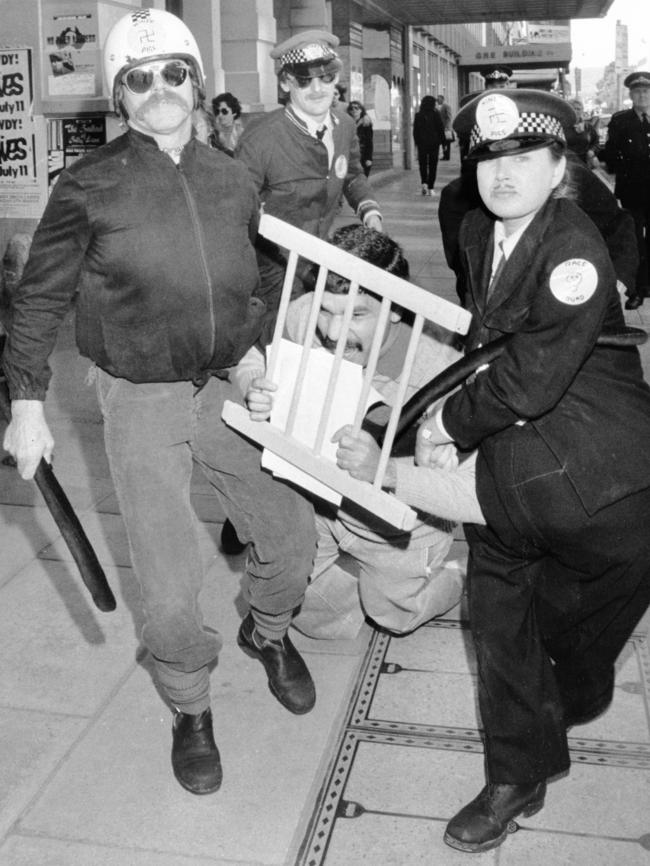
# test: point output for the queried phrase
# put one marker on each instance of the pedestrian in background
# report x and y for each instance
(364, 133)
(582, 137)
(429, 136)
(226, 109)
(627, 155)
(447, 116)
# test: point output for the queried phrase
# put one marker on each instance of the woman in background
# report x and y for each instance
(429, 136)
(227, 112)
(364, 133)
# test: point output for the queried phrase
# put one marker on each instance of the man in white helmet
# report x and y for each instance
(154, 234)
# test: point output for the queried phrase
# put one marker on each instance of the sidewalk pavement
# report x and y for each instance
(85, 736)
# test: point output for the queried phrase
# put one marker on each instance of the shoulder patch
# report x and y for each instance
(573, 281)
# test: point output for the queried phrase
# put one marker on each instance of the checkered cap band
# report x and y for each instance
(531, 124)
(311, 53)
(497, 75)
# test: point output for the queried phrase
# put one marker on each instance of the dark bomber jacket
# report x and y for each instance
(161, 257)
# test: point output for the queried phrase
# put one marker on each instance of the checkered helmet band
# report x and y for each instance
(530, 125)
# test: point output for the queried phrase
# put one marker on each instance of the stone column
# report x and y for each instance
(248, 33)
(203, 17)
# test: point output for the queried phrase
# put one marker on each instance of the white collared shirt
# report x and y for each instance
(313, 126)
(503, 244)
(507, 243)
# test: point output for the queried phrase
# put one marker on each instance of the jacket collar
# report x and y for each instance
(332, 120)
(479, 259)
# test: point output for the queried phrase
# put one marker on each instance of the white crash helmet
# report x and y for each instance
(150, 34)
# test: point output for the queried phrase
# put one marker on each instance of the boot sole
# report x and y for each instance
(511, 827)
(197, 791)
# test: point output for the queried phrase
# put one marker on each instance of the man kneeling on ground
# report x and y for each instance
(398, 579)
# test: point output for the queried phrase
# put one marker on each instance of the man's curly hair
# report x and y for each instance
(371, 246)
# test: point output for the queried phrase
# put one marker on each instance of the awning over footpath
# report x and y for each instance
(424, 12)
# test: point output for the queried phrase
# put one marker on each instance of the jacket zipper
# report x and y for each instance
(199, 236)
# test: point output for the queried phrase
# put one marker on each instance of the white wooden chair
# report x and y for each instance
(391, 289)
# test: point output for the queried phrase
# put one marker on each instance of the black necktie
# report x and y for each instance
(497, 271)
(321, 132)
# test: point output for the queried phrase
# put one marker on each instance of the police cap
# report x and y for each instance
(637, 79)
(309, 53)
(498, 122)
(497, 73)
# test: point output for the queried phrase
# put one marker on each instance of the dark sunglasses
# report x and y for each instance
(304, 81)
(224, 111)
(140, 79)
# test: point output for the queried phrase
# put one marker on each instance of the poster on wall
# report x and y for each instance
(69, 138)
(23, 188)
(72, 57)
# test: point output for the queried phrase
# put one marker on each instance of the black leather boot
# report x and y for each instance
(289, 679)
(195, 757)
(486, 821)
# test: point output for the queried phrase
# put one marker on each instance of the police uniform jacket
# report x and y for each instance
(160, 258)
(554, 297)
(627, 153)
(292, 172)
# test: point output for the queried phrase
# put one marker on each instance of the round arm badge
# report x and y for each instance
(573, 281)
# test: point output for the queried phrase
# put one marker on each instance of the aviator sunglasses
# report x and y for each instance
(304, 81)
(140, 79)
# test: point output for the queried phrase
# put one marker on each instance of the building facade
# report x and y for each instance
(54, 48)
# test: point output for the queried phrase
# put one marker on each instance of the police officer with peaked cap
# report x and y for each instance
(627, 155)
(304, 156)
(560, 575)
(303, 159)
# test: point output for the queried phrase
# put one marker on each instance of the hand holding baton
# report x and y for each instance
(68, 523)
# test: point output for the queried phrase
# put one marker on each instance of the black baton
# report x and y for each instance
(68, 523)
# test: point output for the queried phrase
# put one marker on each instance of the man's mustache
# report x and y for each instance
(159, 98)
(331, 344)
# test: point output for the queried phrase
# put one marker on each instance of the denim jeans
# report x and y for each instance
(153, 434)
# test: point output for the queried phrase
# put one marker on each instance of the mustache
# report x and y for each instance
(159, 98)
(330, 345)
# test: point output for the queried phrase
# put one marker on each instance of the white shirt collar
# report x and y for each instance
(311, 124)
(510, 242)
